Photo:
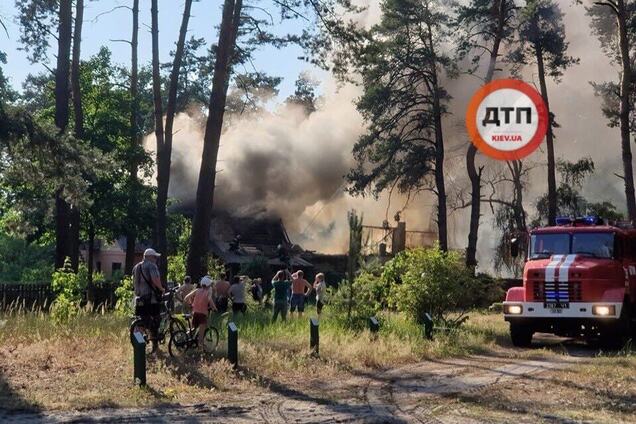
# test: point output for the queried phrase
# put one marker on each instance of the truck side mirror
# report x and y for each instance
(514, 247)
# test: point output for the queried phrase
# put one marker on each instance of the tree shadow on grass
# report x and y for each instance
(12, 402)
(613, 401)
(187, 369)
(355, 412)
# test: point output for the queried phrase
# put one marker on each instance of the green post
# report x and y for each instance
(374, 325)
(314, 336)
(232, 344)
(428, 326)
(139, 358)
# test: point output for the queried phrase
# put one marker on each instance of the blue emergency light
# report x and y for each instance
(589, 220)
(563, 220)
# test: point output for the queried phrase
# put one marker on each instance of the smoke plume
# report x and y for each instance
(285, 163)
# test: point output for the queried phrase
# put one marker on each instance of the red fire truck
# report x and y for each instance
(579, 280)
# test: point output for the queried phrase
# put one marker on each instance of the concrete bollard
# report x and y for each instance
(139, 358)
(428, 326)
(232, 344)
(314, 337)
(374, 325)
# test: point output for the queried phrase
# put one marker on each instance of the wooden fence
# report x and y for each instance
(40, 295)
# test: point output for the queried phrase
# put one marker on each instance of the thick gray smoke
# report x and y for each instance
(284, 163)
(583, 131)
(287, 164)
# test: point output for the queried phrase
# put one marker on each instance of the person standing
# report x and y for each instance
(281, 284)
(237, 293)
(184, 290)
(148, 292)
(222, 293)
(299, 291)
(321, 291)
(201, 302)
(257, 290)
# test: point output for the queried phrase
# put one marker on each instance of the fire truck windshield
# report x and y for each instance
(598, 245)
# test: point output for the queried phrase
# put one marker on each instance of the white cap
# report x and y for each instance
(206, 281)
(151, 252)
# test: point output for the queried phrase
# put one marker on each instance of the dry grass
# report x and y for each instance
(599, 390)
(88, 364)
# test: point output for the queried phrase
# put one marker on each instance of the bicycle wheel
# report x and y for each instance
(178, 344)
(211, 339)
(140, 325)
(177, 323)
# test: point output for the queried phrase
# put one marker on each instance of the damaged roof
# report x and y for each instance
(257, 236)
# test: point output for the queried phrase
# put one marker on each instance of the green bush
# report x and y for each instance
(69, 289)
(429, 281)
(177, 268)
(22, 262)
(486, 291)
(124, 294)
(370, 294)
(215, 267)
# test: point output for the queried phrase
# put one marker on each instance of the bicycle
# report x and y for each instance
(181, 340)
(169, 322)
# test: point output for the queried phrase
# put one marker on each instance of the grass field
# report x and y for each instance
(88, 362)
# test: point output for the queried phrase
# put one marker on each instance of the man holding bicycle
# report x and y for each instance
(148, 292)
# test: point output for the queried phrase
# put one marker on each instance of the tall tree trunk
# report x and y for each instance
(197, 253)
(516, 171)
(160, 240)
(75, 216)
(625, 110)
(65, 32)
(474, 173)
(164, 153)
(174, 84)
(90, 289)
(440, 186)
(549, 139)
(442, 227)
(135, 141)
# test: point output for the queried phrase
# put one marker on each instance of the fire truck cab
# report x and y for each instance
(579, 280)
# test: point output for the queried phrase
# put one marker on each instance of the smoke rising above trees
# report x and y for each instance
(288, 157)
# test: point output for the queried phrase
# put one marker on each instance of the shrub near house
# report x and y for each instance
(429, 281)
(417, 282)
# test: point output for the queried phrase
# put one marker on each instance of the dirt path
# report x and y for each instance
(412, 393)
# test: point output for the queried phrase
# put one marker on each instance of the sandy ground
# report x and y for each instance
(417, 393)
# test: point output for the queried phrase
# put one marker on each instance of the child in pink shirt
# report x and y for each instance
(201, 301)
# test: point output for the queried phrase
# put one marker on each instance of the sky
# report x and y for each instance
(101, 28)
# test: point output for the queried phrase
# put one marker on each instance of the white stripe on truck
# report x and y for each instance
(552, 266)
(564, 270)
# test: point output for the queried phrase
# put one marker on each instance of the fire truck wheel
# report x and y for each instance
(521, 335)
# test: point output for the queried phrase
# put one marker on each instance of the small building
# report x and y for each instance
(110, 257)
(236, 241)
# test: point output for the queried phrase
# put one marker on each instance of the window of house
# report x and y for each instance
(116, 266)
(98, 266)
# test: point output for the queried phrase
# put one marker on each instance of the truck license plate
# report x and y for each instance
(557, 306)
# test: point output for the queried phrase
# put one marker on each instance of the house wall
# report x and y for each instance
(109, 259)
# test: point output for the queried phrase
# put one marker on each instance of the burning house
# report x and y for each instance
(238, 241)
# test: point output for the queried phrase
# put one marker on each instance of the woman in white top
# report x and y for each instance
(237, 293)
(321, 291)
